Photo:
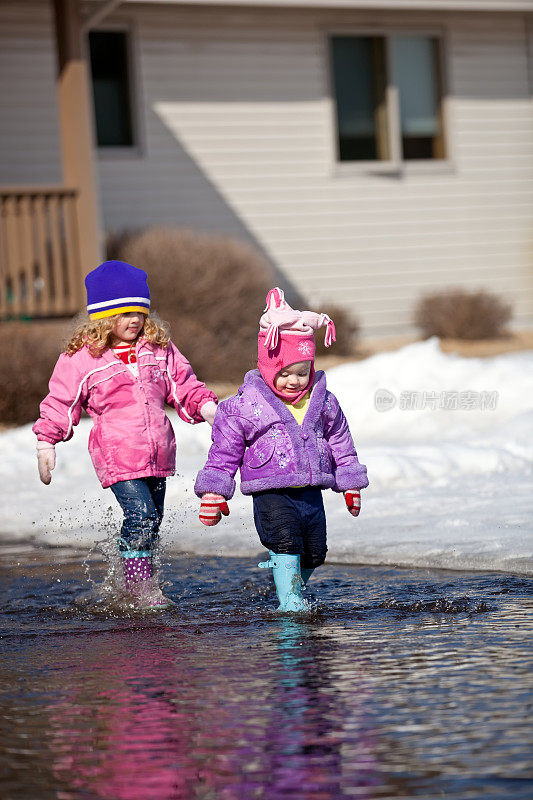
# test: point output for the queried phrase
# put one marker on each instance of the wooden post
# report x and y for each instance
(75, 119)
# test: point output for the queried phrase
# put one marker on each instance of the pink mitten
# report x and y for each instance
(208, 411)
(46, 460)
(353, 501)
(212, 508)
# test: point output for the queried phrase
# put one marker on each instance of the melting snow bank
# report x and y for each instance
(448, 443)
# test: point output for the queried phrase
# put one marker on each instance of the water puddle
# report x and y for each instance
(396, 684)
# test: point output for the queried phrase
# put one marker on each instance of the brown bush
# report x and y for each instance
(346, 330)
(211, 289)
(115, 241)
(28, 353)
(459, 314)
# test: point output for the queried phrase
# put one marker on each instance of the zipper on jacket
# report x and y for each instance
(305, 437)
(146, 410)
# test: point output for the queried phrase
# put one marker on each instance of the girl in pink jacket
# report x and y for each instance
(121, 368)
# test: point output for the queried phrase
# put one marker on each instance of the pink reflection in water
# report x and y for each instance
(121, 734)
(142, 718)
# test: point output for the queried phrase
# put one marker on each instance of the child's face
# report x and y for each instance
(294, 378)
(128, 326)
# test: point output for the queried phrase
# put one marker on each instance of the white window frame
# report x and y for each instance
(395, 166)
(137, 149)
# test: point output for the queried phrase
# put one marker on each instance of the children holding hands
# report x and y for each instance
(289, 437)
(283, 429)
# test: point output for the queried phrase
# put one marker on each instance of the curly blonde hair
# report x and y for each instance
(96, 335)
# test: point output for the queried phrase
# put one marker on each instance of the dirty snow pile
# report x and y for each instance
(448, 442)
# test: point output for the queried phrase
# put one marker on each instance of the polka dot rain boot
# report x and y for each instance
(138, 579)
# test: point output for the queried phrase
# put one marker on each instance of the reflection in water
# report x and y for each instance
(308, 759)
(119, 731)
(406, 685)
(140, 718)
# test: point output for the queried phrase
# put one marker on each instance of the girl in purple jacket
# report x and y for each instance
(121, 368)
(290, 439)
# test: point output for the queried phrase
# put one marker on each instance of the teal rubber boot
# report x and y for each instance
(287, 580)
(306, 574)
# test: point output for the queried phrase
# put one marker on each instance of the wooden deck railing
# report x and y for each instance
(40, 271)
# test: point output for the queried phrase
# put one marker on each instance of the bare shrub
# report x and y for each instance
(28, 354)
(211, 289)
(115, 241)
(459, 314)
(346, 330)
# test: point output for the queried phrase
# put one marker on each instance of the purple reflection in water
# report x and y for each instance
(147, 715)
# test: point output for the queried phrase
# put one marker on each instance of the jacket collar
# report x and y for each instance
(142, 344)
(318, 395)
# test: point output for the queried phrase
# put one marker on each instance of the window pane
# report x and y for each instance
(358, 76)
(112, 106)
(415, 72)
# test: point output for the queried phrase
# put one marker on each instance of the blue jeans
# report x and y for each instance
(292, 521)
(142, 501)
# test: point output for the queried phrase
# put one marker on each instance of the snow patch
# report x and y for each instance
(449, 487)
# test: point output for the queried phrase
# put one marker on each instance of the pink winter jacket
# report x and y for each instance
(132, 436)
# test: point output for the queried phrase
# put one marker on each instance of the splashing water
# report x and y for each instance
(108, 594)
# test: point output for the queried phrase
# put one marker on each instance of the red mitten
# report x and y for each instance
(353, 501)
(212, 508)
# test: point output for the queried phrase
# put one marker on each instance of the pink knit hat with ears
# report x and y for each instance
(286, 336)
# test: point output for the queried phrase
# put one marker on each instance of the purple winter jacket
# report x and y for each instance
(254, 430)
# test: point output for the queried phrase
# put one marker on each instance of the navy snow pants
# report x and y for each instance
(292, 521)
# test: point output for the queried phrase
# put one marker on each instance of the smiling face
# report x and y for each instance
(294, 378)
(127, 327)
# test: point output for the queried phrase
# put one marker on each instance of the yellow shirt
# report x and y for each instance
(298, 410)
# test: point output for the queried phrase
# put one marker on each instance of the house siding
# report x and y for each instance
(236, 134)
(29, 127)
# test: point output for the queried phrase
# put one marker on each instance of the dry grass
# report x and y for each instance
(509, 343)
(478, 348)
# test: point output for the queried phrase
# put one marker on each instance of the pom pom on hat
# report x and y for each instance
(280, 317)
(116, 288)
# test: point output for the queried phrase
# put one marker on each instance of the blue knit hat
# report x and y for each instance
(115, 288)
